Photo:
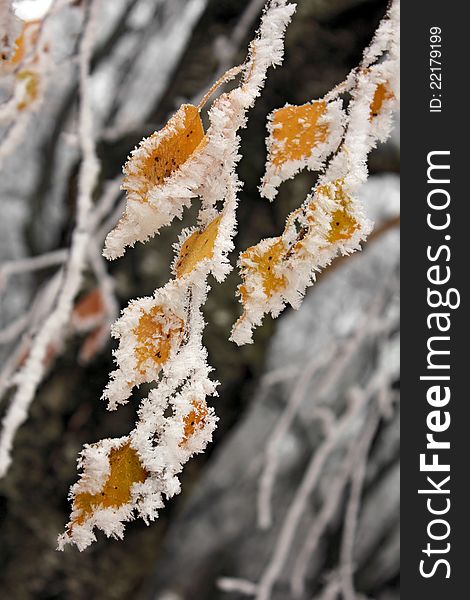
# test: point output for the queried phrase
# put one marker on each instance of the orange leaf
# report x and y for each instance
(264, 263)
(381, 95)
(157, 332)
(197, 247)
(167, 149)
(342, 223)
(195, 419)
(125, 470)
(24, 42)
(89, 305)
(296, 131)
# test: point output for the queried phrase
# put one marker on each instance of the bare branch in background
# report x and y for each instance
(30, 375)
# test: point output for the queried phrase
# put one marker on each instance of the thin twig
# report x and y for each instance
(29, 264)
(303, 492)
(41, 306)
(242, 586)
(271, 456)
(366, 327)
(347, 567)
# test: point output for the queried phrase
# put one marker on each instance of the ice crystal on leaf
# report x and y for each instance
(264, 260)
(194, 420)
(148, 169)
(300, 137)
(381, 96)
(166, 171)
(125, 469)
(160, 337)
(150, 330)
(167, 150)
(296, 131)
(157, 332)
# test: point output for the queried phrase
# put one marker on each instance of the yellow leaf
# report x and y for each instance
(168, 149)
(198, 246)
(342, 223)
(264, 265)
(157, 333)
(23, 43)
(125, 470)
(296, 131)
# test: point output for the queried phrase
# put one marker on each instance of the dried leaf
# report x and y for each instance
(295, 131)
(13, 54)
(125, 469)
(197, 247)
(263, 263)
(30, 81)
(342, 223)
(164, 152)
(89, 305)
(194, 420)
(157, 333)
(300, 137)
(89, 310)
(381, 95)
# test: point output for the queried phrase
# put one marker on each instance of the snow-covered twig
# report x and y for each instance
(14, 329)
(32, 263)
(355, 460)
(321, 136)
(347, 566)
(370, 325)
(271, 457)
(42, 305)
(355, 453)
(298, 505)
(226, 48)
(242, 586)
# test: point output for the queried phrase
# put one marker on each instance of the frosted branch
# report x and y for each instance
(298, 506)
(352, 510)
(272, 454)
(29, 264)
(370, 325)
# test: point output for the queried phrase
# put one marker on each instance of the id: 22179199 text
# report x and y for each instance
(435, 69)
